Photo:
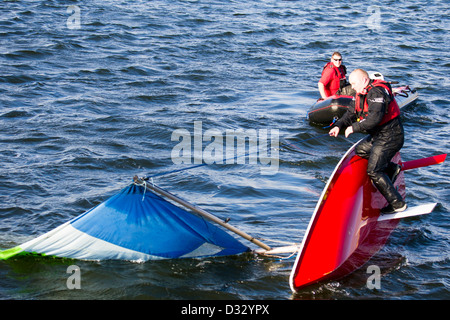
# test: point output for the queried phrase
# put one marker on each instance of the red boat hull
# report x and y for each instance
(344, 233)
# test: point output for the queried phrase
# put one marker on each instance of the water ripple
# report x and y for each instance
(82, 110)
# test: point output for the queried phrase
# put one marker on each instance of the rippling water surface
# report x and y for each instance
(91, 92)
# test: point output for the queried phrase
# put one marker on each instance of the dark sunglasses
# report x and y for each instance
(337, 59)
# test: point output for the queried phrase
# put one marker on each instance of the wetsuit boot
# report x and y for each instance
(387, 189)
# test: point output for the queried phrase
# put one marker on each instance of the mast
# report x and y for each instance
(200, 211)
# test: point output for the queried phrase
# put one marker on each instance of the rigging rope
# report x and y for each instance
(226, 160)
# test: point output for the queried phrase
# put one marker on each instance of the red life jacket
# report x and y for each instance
(339, 76)
(392, 110)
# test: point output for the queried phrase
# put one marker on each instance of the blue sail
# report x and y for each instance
(135, 224)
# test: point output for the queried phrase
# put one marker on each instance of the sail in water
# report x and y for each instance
(137, 225)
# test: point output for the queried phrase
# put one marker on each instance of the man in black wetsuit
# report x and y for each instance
(377, 113)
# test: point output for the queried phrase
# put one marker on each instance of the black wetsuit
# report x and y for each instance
(382, 143)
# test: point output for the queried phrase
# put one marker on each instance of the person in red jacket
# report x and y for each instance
(333, 76)
(377, 113)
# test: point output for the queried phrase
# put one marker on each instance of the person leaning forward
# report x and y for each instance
(377, 113)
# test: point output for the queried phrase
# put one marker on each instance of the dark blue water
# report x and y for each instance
(91, 92)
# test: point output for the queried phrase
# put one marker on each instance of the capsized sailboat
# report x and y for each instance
(145, 222)
(346, 229)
